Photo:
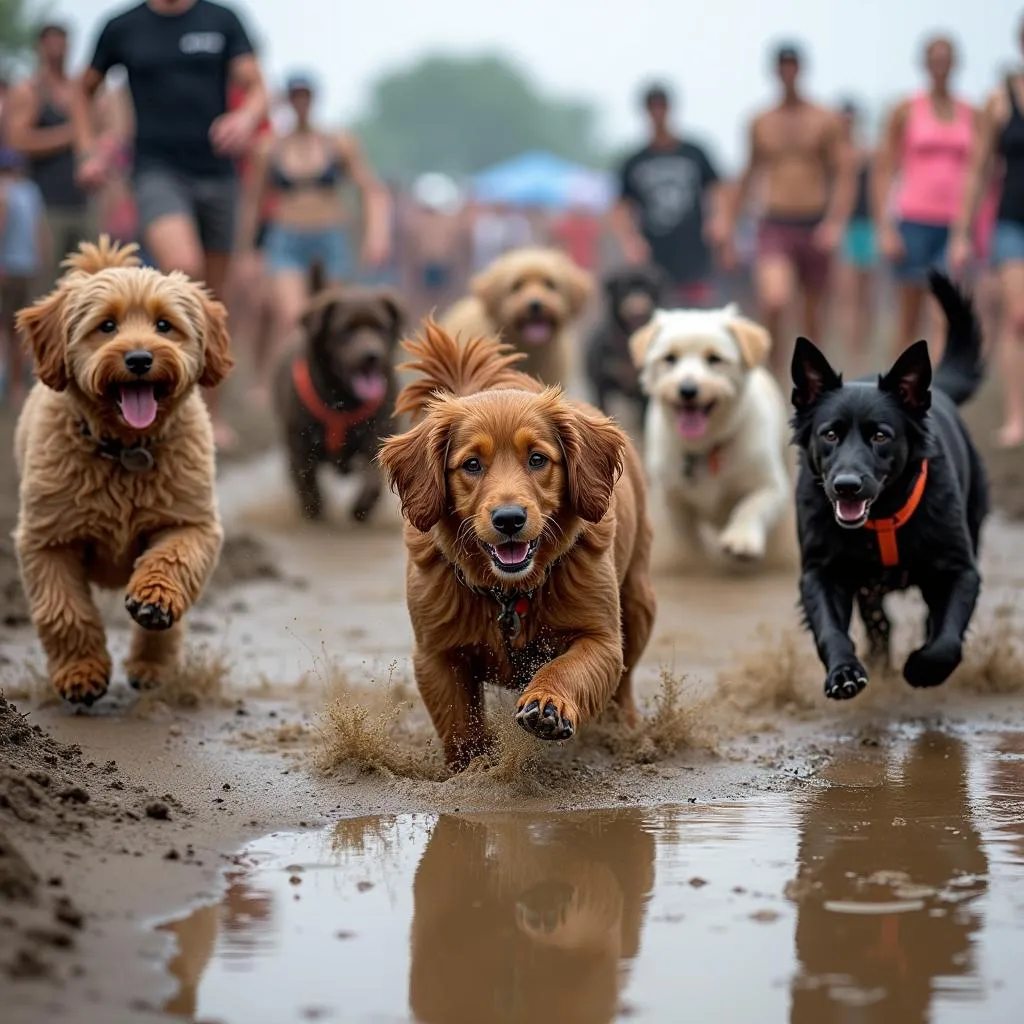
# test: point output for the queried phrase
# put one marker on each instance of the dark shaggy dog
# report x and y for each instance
(335, 391)
(632, 294)
(891, 494)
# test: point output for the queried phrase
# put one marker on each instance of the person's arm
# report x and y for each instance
(622, 219)
(887, 164)
(232, 132)
(253, 191)
(44, 236)
(376, 202)
(987, 123)
(717, 195)
(91, 165)
(736, 197)
(840, 157)
(20, 131)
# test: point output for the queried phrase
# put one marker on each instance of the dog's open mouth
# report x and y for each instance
(851, 512)
(513, 555)
(537, 329)
(370, 386)
(692, 420)
(139, 402)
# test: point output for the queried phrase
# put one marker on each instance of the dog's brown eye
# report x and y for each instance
(537, 461)
(669, 358)
(550, 285)
(107, 326)
(473, 466)
(164, 326)
(830, 436)
(712, 360)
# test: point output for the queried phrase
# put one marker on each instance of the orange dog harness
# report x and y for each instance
(336, 423)
(886, 528)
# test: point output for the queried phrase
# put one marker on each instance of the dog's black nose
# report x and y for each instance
(847, 485)
(688, 392)
(535, 308)
(508, 519)
(139, 362)
(370, 362)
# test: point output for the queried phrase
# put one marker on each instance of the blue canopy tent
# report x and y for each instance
(538, 178)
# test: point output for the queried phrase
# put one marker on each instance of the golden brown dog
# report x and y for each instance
(530, 298)
(114, 451)
(528, 541)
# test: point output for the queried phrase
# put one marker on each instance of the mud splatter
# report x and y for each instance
(199, 681)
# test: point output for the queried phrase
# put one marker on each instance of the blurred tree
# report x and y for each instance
(462, 114)
(19, 21)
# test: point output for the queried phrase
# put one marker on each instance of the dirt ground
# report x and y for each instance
(296, 708)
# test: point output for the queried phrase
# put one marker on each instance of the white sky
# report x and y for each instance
(714, 52)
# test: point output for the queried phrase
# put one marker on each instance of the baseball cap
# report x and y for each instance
(299, 81)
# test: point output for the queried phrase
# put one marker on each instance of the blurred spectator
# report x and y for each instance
(24, 249)
(577, 231)
(38, 125)
(498, 228)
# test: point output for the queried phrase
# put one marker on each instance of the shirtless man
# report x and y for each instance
(800, 149)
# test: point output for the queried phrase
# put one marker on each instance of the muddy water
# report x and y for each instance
(889, 889)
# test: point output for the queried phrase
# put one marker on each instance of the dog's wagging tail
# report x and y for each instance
(891, 494)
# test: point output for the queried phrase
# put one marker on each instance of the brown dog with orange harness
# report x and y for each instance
(335, 391)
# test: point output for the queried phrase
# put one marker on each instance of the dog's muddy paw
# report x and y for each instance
(742, 543)
(932, 664)
(149, 615)
(83, 682)
(144, 675)
(846, 681)
(545, 718)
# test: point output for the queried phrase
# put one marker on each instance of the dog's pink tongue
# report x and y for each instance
(369, 387)
(138, 405)
(512, 553)
(692, 423)
(850, 511)
(537, 333)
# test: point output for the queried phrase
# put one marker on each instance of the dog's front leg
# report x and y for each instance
(950, 598)
(68, 623)
(451, 685)
(573, 688)
(828, 608)
(370, 488)
(745, 535)
(302, 466)
(171, 573)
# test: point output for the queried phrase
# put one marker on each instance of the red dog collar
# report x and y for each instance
(336, 423)
(886, 528)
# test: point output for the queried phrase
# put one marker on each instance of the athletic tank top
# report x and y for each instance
(55, 174)
(1011, 149)
(935, 162)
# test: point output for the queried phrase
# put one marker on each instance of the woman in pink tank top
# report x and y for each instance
(927, 148)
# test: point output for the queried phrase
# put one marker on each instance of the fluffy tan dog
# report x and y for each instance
(530, 298)
(528, 543)
(114, 451)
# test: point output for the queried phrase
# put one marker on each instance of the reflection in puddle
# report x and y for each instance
(893, 894)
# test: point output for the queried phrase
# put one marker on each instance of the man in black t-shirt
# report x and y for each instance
(667, 213)
(180, 56)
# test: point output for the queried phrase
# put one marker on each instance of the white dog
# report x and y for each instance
(716, 439)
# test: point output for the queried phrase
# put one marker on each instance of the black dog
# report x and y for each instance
(632, 294)
(891, 494)
(335, 391)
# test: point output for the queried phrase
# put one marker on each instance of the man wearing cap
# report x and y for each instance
(38, 125)
(798, 149)
(667, 189)
(180, 56)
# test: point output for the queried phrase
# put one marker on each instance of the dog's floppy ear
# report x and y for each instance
(812, 374)
(910, 379)
(640, 340)
(317, 314)
(43, 327)
(217, 358)
(414, 466)
(753, 340)
(593, 448)
(580, 284)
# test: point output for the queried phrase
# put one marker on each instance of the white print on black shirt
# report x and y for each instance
(202, 42)
(669, 188)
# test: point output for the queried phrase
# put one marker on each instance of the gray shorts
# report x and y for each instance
(210, 203)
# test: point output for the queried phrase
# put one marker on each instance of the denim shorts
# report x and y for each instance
(294, 250)
(1008, 243)
(924, 246)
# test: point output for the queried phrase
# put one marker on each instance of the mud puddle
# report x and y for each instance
(889, 889)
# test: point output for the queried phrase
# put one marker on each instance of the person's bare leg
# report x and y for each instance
(1011, 354)
(216, 266)
(910, 299)
(814, 320)
(290, 295)
(862, 320)
(775, 280)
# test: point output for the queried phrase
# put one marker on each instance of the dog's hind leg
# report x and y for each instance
(370, 489)
(638, 609)
(67, 620)
(302, 467)
(153, 655)
(877, 626)
(450, 683)
(950, 598)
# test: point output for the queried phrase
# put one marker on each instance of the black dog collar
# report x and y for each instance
(513, 605)
(136, 458)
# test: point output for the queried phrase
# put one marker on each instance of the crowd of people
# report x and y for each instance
(217, 175)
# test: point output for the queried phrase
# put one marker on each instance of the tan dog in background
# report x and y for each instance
(528, 545)
(530, 299)
(115, 456)
(716, 439)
